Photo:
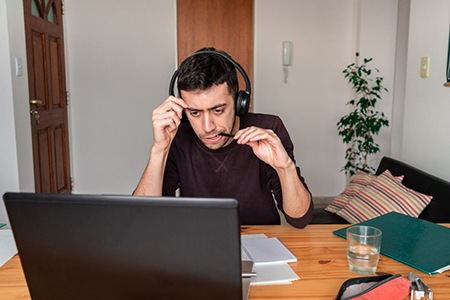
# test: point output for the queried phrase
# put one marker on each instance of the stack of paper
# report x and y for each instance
(270, 258)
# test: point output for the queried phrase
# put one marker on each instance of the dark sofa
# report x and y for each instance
(437, 211)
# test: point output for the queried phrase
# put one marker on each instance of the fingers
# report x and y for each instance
(260, 140)
(169, 113)
(266, 145)
(172, 105)
(166, 118)
(254, 134)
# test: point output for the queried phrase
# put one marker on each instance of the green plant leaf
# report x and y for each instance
(358, 128)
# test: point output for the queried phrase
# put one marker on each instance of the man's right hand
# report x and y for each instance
(166, 118)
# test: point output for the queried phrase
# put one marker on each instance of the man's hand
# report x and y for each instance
(165, 119)
(266, 145)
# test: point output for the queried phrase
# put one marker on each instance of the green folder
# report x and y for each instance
(420, 244)
(1, 225)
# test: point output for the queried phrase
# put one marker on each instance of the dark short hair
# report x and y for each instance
(205, 70)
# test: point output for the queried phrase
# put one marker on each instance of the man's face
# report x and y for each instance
(211, 112)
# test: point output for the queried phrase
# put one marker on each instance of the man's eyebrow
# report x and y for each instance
(217, 106)
(192, 109)
(211, 108)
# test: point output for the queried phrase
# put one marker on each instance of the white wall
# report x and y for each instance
(120, 57)
(109, 69)
(9, 176)
(19, 85)
(401, 56)
(426, 140)
(16, 167)
(326, 34)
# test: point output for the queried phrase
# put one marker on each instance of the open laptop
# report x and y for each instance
(124, 247)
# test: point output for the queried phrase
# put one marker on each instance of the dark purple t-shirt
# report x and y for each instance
(231, 172)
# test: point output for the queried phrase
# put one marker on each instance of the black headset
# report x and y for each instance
(242, 100)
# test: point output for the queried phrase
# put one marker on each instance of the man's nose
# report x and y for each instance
(208, 123)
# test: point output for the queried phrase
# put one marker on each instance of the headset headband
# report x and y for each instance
(227, 57)
(242, 100)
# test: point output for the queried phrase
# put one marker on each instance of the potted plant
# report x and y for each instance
(359, 127)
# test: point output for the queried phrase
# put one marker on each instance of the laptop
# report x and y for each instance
(125, 247)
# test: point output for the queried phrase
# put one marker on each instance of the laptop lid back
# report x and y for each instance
(124, 247)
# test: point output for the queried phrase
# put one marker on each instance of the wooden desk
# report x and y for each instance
(322, 267)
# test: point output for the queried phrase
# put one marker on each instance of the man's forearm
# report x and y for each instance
(296, 198)
(152, 179)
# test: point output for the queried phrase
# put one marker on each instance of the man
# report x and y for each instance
(253, 164)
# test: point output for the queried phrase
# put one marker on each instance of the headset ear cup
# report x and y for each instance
(242, 103)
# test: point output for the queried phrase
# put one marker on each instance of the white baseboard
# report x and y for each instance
(322, 201)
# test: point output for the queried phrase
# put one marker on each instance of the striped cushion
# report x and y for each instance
(358, 182)
(383, 195)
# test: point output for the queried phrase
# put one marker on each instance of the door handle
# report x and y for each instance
(36, 115)
(36, 102)
(34, 112)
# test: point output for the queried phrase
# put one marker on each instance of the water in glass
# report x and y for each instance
(363, 259)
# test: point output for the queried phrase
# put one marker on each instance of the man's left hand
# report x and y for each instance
(266, 145)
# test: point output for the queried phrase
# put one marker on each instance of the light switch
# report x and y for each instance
(19, 67)
(425, 67)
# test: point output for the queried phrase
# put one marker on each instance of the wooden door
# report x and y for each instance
(223, 24)
(47, 89)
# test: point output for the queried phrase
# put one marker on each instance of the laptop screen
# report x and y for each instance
(125, 247)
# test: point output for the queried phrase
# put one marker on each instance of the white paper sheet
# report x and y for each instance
(250, 237)
(273, 274)
(268, 274)
(268, 251)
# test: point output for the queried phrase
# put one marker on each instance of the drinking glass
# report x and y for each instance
(363, 248)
